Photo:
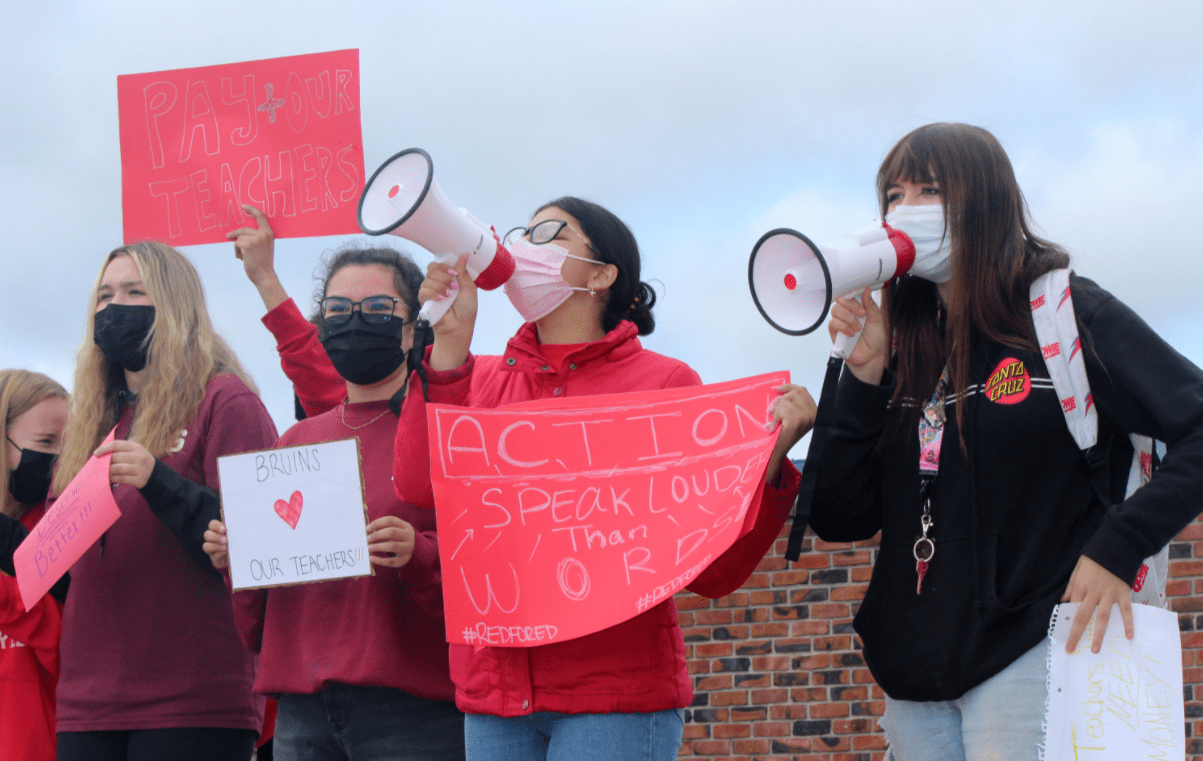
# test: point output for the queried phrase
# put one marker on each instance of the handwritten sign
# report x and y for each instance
(281, 134)
(81, 514)
(295, 515)
(558, 519)
(1123, 704)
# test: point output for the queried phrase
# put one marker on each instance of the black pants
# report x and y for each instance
(185, 744)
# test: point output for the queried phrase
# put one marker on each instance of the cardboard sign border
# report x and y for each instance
(362, 501)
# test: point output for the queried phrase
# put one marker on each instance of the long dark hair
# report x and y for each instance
(995, 258)
(613, 243)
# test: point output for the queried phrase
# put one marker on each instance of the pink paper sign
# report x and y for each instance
(85, 510)
(560, 519)
(281, 134)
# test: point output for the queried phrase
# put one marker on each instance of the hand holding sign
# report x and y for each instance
(216, 546)
(562, 518)
(1096, 588)
(282, 134)
(794, 411)
(293, 515)
(1123, 701)
(130, 463)
(80, 515)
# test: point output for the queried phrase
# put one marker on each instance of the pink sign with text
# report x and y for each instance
(561, 518)
(281, 134)
(85, 510)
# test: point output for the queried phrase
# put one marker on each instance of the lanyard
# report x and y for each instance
(931, 436)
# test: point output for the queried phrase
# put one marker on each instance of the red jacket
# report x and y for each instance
(635, 666)
(28, 668)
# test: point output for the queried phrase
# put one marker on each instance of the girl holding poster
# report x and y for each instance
(618, 693)
(359, 665)
(33, 414)
(955, 447)
(152, 664)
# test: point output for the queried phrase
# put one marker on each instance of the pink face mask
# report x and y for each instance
(536, 288)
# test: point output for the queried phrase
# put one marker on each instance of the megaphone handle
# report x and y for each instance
(432, 311)
(844, 344)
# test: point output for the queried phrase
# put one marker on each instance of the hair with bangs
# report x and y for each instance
(184, 354)
(20, 391)
(995, 258)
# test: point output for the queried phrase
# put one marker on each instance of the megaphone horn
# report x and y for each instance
(793, 281)
(403, 199)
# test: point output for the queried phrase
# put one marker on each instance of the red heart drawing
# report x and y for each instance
(290, 511)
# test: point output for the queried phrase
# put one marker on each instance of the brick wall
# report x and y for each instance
(778, 673)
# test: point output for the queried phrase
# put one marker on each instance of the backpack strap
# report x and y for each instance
(1057, 332)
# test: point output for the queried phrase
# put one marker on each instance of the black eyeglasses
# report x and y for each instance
(375, 309)
(545, 232)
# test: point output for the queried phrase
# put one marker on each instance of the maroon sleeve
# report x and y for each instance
(731, 569)
(318, 385)
(411, 450)
(422, 576)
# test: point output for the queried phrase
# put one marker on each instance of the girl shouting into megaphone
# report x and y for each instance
(951, 439)
(618, 693)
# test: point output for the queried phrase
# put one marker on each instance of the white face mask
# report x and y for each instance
(924, 224)
(536, 288)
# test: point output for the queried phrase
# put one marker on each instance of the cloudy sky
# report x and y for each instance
(701, 124)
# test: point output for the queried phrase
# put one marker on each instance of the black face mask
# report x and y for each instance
(364, 352)
(30, 481)
(120, 331)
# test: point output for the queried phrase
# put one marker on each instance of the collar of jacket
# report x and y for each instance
(522, 351)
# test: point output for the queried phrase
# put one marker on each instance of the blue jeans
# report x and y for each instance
(345, 722)
(575, 736)
(1002, 718)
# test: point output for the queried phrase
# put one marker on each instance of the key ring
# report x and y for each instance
(929, 549)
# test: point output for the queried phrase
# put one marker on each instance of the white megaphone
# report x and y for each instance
(793, 281)
(403, 199)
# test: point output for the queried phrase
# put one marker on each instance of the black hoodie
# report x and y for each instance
(1012, 517)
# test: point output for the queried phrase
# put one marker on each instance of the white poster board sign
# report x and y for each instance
(1123, 704)
(295, 515)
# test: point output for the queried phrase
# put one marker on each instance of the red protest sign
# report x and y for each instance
(83, 512)
(281, 134)
(561, 518)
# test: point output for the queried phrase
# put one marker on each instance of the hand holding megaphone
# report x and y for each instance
(857, 327)
(403, 199)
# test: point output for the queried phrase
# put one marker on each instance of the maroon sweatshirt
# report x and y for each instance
(148, 632)
(384, 630)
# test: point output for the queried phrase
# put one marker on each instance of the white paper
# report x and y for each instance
(295, 515)
(1123, 704)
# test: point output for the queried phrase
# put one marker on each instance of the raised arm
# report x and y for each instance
(318, 386)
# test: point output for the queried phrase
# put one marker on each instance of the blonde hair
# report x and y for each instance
(20, 391)
(184, 354)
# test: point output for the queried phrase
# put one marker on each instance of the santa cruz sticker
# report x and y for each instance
(1009, 383)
